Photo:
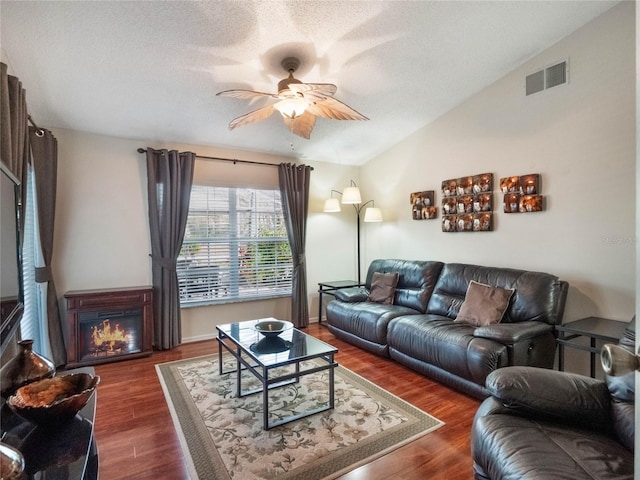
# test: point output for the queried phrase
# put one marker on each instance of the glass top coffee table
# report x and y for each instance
(263, 357)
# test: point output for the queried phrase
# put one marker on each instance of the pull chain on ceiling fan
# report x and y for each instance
(299, 103)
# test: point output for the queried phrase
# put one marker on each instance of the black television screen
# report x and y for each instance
(11, 305)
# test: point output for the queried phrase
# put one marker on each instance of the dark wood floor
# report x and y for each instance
(136, 438)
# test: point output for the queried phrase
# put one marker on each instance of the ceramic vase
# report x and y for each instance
(26, 367)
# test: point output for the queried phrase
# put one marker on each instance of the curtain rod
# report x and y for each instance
(220, 159)
(39, 131)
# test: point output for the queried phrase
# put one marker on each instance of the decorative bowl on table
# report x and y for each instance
(273, 328)
(52, 401)
(270, 345)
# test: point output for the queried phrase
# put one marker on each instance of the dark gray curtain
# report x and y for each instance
(44, 151)
(14, 140)
(294, 189)
(169, 179)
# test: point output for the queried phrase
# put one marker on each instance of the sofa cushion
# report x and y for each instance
(383, 288)
(450, 346)
(483, 304)
(365, 319)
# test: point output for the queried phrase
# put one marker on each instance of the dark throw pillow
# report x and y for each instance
(383, 287)
(483, 304)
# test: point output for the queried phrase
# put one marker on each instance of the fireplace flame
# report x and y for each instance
(108, 338)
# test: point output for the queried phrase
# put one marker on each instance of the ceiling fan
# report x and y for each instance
(299, 103)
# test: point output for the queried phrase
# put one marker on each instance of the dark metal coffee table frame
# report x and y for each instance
(248, 360)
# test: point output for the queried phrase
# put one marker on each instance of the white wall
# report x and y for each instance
(101, 230)
(580, 137)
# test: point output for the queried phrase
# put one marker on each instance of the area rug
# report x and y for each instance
(222, 435)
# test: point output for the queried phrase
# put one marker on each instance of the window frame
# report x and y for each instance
(235, 287)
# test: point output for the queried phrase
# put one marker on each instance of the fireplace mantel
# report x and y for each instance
(117, 305)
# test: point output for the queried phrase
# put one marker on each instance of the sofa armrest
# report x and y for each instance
(492, 406)
(551, 395)
(510, 333)
(352, 295)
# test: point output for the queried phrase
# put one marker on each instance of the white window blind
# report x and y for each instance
(235, 246)
(34, 319)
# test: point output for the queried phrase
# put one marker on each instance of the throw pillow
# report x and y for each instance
(483, 304)
(383, 287)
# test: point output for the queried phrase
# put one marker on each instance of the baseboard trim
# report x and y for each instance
(199, 338)
(212, 336)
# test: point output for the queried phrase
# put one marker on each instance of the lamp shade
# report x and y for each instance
(351, 195)
(331, 205)
(373, 214)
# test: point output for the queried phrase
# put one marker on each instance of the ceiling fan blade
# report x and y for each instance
(314, 91)
(334, 109)
(245, 94)
(301, 125)
(255, 116)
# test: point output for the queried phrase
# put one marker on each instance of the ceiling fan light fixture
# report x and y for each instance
(299, 104)
(292, 107)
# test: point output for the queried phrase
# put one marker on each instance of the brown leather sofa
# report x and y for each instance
(419, 329)
(541, 424)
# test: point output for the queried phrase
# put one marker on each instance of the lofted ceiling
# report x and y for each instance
(149, 70)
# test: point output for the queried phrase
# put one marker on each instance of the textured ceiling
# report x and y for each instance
(149, 70)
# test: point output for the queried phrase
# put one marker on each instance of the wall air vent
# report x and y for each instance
(546, 78)
(535, 82)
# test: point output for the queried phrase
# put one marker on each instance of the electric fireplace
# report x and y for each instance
(108, 325)
(109, 334)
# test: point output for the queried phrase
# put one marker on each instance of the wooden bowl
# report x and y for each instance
(53, 400)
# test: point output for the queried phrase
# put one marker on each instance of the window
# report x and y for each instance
(235, 247)
(34, 319)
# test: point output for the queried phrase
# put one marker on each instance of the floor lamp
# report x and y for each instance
(351, 196)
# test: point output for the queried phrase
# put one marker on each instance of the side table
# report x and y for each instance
(595, 328)
(330, 289)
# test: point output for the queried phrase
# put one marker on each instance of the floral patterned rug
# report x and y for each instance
(222, 435)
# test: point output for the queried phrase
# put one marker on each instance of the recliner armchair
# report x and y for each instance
(545, 424)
